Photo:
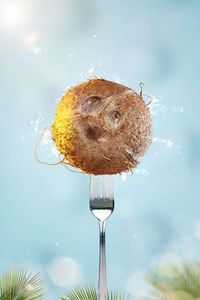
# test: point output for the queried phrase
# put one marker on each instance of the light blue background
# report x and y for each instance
(44, 211)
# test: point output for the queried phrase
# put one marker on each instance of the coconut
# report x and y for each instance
(102, 127)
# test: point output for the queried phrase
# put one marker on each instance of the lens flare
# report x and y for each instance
(12, 14)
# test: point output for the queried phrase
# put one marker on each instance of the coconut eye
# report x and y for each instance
(94, 100)
(91, 104)
(116, 115)
(92, 133)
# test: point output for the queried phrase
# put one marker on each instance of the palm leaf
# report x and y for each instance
(179, 282)
(19, 285)
(88, 292)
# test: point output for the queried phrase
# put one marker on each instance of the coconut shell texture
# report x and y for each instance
(102, 127)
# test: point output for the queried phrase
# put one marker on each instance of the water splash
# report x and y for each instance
(35, 123)
(156, 107)
(91, 72)
(46, 147)
(177, 109)
(55, 151)
(46, 139)
(117, 79)
(142, 172)
(167, 143)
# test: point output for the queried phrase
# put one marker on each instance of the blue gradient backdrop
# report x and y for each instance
(47, 46)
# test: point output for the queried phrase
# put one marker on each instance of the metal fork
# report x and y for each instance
(102, 206)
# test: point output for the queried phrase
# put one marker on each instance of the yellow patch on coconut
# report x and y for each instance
(63, 133)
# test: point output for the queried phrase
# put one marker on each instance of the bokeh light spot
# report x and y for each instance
(64, 271)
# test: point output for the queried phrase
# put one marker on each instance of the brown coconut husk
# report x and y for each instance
(102, 127)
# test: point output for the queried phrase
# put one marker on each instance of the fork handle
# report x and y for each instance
(102, 286)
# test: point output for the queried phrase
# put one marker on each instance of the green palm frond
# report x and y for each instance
(88, 292)
(19, 285)
(176, 281)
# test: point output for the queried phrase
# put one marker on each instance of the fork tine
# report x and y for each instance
(98, 187)
(104, 186)
(92, 193)
(110, 188)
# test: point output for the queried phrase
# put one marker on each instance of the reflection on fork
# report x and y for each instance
(102, 206)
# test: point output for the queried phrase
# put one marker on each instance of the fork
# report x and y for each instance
(102, 206)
